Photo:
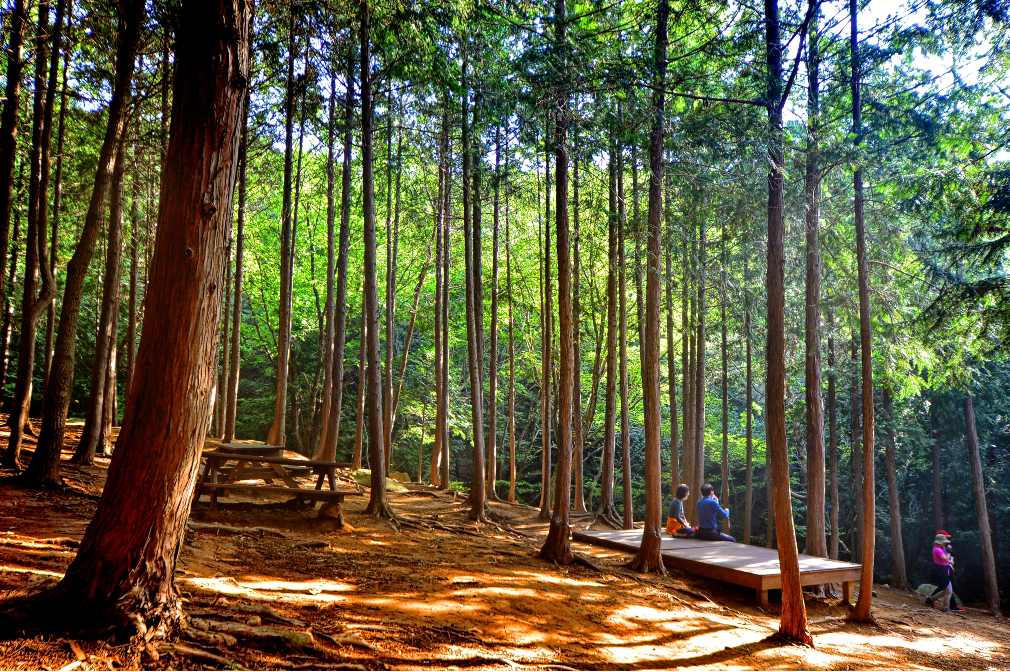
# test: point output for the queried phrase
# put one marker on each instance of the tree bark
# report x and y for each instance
(862, 611)
(649, 558)
(130, 346)
(937, 474)
(359, 425)
(899, 579)
(512, 359)
(377, 502)
(748, 512)
(436, 454)
(579, 428)
(984, 531)
(856, 458)
(446, 258)
(9, 125)
(607, 510)
(622, 219)
(104, 344)
(636, 233)
(45, 464)
(725, 473)
(793, 625)
(670, 354)
(123, 572)
(700, 366)
(546, 366)
(277, 435)
(492, 402)
(231, 411)
(557, 547)
(832, 446)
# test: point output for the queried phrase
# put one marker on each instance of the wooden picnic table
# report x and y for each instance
(267, 463)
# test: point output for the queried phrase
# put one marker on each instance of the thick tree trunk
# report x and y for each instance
(649, 558)
(622, 220)
(328, 441)
(9, 125)
(793, 624)
(984, 531)
(278, 430)
(816, 541)
(607, 510)
(557, 547)
(105, 345)
(231, 411)
(377, 502)
(899, 578)
(45, 465)
(868, 537)
(123, 573)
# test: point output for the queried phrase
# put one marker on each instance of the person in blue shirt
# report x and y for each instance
(709, 515)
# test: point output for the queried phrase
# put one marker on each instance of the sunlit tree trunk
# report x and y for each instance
(578, 436)
(793, 624)
(724, 475)
(899, 579)
(833, 447)
(231, 411)
(856, 456)
(622, 221)
(123, 574)
(670, 351)
(512, 359)
(748, 512)
(359, 424)
(649, 558)
(492, 403)
(984, 531)
(440, 407)
(546, 343)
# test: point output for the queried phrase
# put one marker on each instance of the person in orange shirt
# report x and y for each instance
(676, 522)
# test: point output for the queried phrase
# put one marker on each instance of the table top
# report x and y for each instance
(269, 459)
(251, 449)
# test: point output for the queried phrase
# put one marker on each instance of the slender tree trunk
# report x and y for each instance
(446, 252)
(816, 543)
(105, 345)
(57, 203)
(868, 537)
(130, 346)
(725, 474)
(512, 359)
(649, 558)
(110, 413)
(492, 403)
(8, 291)
(9, 125)
(748, 512)
(670, 355)
(984, 531)
(278, 430)
(636, 232)
(937, 473)
(622, 219)
(36, 252)
(700, 364)
(359, 425)
(547, 343)
(833, 446)
(856, 458)
(606, 510)
(377, 502)
(793, 624)
(231, 411)
(123, 573)
(436, 454)
(557, 547)
(579, 428)
(330, 437)
(421, 277)
(899, 579)
(688, 358)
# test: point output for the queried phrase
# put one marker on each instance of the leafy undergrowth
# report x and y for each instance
(268, 586)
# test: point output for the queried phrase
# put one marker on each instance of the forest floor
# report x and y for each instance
(449, 595)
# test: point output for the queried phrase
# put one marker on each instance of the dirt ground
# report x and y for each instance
(300, 594)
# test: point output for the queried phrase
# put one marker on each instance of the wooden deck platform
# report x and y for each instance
(750, 566)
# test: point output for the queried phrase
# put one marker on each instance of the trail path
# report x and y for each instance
(460, 597)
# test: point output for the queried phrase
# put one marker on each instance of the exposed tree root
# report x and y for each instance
(196, 654)
(219, 530)
(608, 516)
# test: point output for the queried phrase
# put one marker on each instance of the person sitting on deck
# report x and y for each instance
(709, 515)
(676, 521)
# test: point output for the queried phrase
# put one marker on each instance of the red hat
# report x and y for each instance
(944, 533)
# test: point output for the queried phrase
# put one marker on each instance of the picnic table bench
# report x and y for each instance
(267, 463)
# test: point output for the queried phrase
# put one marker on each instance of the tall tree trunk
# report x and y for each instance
(277, 435)
(8, 291)
(636, 232)
(45, 464)
(579, 428)
(937, 473)
(36, 254)
(856, 458)
(123, 573)
(392, 244)
(57, 201)
(231, 411)
(478, 497)
(109, 410)
(377, 502)
(687, 387)
(421, 276)
(622, 220)
(492, 402)
(868, 536)
(9, 125)
(833, 446)
(557, 547)
(649, 558)
(607, 510)
(748, 513)
(670, 358)
(984, 531)
(816, 543)
(512, 359)
(436, 454)
(546, 343)
(793, 624)
(899, 578)
(446, 252)
(330, 437)
(105, 345)
(700, 364)
(130, 346)
(359, 424)
(724, 494)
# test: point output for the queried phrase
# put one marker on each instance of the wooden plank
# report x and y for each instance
(328, 495)
(276, 460)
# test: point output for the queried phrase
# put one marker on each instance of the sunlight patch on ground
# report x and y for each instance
(561, 580)
(939, 643)
(26, 570)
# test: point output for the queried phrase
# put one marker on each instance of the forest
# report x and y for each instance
(564, 254)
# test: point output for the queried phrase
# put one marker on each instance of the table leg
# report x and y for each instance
(200, 481)
(762, 597)
(319, 481)
(332, 478)
(847, 587)
(282, 472)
